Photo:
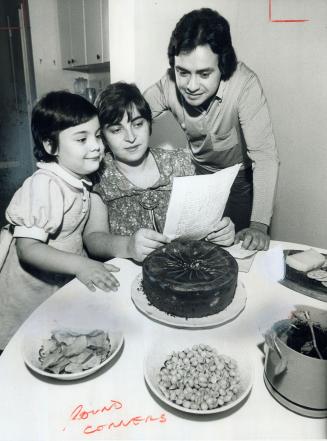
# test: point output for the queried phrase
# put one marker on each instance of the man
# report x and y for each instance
(220, 105)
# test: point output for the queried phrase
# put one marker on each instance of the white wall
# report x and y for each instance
(291, 60)
(122, 40)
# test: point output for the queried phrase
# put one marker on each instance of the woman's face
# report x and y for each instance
(128, 140)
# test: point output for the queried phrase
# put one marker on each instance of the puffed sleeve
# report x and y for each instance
(37, 208)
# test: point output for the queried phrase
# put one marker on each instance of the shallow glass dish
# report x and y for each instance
(32, 343)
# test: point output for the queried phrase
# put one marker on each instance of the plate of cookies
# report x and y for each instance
(306, 272)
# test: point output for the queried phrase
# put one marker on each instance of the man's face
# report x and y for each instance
(197, 74)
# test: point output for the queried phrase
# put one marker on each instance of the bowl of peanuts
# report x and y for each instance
(199, 378)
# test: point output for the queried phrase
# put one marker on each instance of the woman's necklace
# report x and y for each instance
(149, 199)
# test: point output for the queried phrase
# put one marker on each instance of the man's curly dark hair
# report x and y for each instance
(198, 28)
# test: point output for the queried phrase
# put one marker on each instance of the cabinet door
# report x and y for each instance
(77, 33)
(65, 34)
(105, 29)
(93, 31)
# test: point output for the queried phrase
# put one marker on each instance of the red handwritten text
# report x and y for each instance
(80, 413)
(134, 421)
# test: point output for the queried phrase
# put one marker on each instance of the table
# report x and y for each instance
(34, 408)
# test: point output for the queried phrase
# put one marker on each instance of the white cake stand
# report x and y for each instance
(232, 311)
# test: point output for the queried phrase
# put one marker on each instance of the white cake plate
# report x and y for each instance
(232, 311)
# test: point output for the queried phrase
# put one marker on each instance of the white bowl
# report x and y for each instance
(156, 357)
(33, 342)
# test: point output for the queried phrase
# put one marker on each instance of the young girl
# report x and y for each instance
(48, 213)
(136, 181)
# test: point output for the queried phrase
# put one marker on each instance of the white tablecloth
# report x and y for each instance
(34, 408)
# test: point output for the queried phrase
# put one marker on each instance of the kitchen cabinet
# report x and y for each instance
(84, 33)
(96, 31)
(72, 33)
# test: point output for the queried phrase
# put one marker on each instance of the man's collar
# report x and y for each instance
(63, 174)
(220, 90)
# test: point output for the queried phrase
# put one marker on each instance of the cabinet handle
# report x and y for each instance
(69, 61)
(73, 61)
(98, 57)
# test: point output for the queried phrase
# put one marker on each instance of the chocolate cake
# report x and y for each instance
(190, 278)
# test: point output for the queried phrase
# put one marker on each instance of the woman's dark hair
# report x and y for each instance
(53, 113)
(119, 98)
(201, 27)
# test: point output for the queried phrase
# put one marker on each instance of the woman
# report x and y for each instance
(132, 195)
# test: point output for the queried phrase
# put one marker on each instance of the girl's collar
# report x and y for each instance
(63, 174)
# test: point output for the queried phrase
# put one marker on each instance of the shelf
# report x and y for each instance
(91, 68)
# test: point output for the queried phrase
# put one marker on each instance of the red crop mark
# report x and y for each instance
(282, 20)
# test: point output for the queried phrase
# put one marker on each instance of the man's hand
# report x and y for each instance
(224, 234)
(255, 237)
(97, 274)
(143, 242)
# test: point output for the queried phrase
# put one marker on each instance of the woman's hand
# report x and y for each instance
(224, 234)
(143, 242)
(96, 274)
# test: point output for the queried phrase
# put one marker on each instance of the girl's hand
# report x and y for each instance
(98, 275)
(143, 242)
(224, 234)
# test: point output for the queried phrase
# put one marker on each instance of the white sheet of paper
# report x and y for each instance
(238, 252)
(271, 264)
(197, 203)
(243, 257)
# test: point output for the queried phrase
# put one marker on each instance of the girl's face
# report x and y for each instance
(80, 148)
(128, 140)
